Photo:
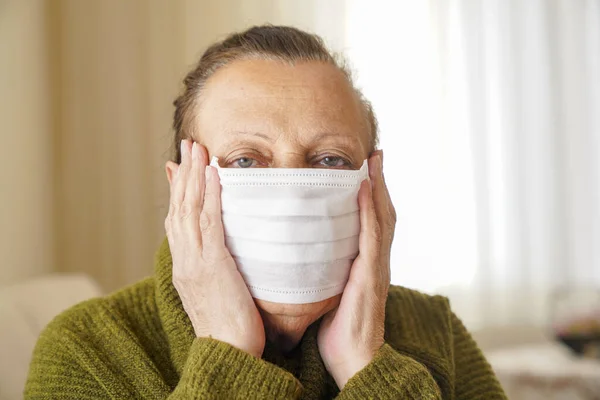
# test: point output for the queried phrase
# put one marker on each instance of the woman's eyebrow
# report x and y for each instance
(252, 133)
(324, 135)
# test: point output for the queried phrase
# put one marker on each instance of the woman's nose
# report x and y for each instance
(290, 159)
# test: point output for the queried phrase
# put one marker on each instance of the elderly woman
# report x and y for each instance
(274, 280)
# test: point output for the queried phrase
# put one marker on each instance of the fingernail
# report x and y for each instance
(380, 163)
(207, 173)
(195, 154)
(183, 148)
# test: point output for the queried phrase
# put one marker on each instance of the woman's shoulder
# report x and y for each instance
(98, 341)
(420, 325)
(412, 301)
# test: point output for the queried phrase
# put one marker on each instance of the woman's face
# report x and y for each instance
(265, 113)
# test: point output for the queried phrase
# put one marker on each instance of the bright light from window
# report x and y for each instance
(394, 50)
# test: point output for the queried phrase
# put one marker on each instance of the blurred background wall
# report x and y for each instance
(489, 122)
(26, 145)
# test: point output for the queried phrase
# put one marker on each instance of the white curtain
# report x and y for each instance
(490, 125)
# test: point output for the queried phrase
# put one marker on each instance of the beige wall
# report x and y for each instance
(119, 70)
(26, 148)
(87, 118)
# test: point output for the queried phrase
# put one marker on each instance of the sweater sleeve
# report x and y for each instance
(67, 365)
(474, 377)
(391, 375)
(57, 369)
(218, 370)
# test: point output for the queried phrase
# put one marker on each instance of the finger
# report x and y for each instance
(173, 184)
(380, 152)
(191, 198)
(178, 185)
(380, 196)
(211, 225)
(190, 209)
(391, 208)
(369, 241)
(203, 162)
(392, 214)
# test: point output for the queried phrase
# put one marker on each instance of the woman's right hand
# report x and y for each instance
(212, 291)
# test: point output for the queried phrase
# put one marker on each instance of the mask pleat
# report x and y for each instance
(294, 252)
(291, 229)
(249, 204)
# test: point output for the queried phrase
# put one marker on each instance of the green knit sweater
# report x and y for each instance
(139, 343)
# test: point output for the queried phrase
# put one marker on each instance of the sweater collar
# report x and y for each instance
(304, 362)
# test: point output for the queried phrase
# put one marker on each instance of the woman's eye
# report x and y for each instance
(333, 162)
(244, 162)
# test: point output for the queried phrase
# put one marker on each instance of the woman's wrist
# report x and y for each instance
(342, 372)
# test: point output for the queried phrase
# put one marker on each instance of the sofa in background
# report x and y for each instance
(25, 309)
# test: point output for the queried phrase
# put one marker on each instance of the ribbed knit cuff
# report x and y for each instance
(218, 370)
(391, 375)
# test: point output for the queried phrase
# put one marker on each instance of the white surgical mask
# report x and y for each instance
(293, 232)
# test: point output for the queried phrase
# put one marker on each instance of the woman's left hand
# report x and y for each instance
(351, 334)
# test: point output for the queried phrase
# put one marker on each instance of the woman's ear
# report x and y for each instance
(171, 169)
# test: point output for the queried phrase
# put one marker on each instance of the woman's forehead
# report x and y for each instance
(274, 98)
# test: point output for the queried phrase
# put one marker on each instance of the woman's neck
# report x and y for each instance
(285, 324)
(285, 332)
